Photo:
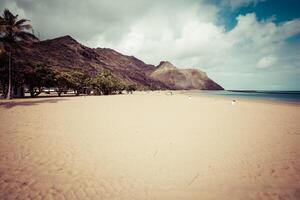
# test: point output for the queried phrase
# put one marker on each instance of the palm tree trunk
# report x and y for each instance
(9, 77)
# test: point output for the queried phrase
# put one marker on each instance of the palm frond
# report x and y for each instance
(26, 36)
(9, 17)
(14, 31)
(25, 27)
(21, 22)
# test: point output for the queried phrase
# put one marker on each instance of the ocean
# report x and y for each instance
(286, 96)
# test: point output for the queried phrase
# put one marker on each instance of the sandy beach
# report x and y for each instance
(149, 146)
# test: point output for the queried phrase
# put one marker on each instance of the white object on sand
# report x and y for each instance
(190, 97)
(233, 102)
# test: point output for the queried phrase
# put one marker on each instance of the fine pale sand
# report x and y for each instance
(149, 146)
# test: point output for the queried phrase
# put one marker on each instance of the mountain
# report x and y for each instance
(183, 79)
(66, 53)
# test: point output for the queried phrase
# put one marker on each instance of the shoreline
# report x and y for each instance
(194, 94)
(240, 98)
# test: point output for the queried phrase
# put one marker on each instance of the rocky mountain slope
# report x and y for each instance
(183, 79)
(66, 53)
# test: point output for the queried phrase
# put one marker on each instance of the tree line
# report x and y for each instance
(36, 77)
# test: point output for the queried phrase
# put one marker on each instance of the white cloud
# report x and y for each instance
(200, 43)
(267, 61)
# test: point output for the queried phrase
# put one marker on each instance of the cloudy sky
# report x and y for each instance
(242, 44)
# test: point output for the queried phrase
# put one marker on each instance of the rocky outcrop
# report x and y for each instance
(183, 79)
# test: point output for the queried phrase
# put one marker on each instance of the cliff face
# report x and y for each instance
(67, 53)
(183, 79)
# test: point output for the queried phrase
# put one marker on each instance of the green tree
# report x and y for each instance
(12, 33)
(88, 85)
(36, 77)
(78, 81)
(62, 82)
(120, 87)
(105, 83)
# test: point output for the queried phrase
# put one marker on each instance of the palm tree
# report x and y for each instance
(13, 33)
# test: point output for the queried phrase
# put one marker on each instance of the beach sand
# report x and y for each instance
(149, 146)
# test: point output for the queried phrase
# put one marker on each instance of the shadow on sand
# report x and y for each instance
(11, 104)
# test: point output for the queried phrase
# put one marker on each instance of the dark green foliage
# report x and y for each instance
(36, 77)
(78, 81)
(75, 80)
(63, 81)
(120, 87)
(130, 88)
(105, 83)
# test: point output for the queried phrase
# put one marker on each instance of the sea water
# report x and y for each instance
(287, 96)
